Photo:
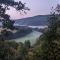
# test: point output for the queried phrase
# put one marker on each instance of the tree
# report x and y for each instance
(8, 52)
(22, 51)
(57, 9)
(27, 44)
(5, 18)
(52, 28)
(48, 45)
(50, 48)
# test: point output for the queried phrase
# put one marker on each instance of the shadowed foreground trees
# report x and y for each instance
(50, 40)
(13, 51)
(4, 6)
(47, 49)
(8, 51)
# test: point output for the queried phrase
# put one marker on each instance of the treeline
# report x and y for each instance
(14, 51)
(47, 46)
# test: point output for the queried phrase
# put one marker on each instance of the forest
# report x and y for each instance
(47, 46)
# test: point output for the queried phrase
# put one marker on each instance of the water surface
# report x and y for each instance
(32, 37)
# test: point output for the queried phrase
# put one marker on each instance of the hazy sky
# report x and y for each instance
(37, 7)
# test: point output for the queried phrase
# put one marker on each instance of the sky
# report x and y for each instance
(37, 7)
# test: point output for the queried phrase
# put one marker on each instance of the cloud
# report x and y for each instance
(37, 7)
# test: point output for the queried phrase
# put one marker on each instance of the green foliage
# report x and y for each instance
(12, 51)
(4, 6)
(13, 44)
(4, 50)
(27, 44)
(8, 24)
(48, 48)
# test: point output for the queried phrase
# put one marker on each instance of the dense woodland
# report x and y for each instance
(47, 47)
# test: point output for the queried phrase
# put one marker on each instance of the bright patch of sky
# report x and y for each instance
(37, 7)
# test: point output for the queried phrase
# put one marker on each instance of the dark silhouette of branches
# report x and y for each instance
(17, 5)
(4, 6)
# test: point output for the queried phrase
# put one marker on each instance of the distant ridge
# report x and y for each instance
(31, 17)
(33, 21)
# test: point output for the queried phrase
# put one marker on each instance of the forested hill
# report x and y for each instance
(34, 21)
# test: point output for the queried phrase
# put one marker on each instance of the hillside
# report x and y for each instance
(34, 21)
